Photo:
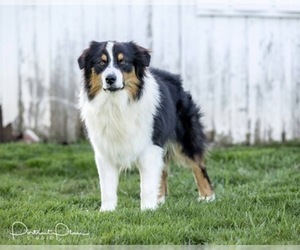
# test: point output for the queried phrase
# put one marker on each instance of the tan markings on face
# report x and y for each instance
(132, 83)
(95, 83)
(104, 57)
(120, 57)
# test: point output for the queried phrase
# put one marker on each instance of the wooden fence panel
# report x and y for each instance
(243, 71)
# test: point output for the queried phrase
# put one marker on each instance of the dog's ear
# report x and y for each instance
(81, 59)
(142, 59)
(142, 55)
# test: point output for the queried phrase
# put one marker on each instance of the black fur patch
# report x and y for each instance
(89, 59)
(178, 117)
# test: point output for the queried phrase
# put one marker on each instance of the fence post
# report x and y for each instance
(1, 126)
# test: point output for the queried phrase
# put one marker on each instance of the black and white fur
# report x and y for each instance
(136, 114)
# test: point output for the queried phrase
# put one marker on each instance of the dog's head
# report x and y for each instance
(112, 66)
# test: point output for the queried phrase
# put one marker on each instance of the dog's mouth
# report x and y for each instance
(113, 89)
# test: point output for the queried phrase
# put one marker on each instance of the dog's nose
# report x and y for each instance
(110, 79)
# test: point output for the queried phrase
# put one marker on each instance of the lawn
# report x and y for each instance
(50, 189)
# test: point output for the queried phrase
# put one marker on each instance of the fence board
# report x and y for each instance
(288, 28)
(237, 95)
(9, 68)
(296, 83)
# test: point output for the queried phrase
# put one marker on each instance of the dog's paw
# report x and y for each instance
(104, 209)
(161, 200)
(107, 207)
(149, 206)
(207, 198)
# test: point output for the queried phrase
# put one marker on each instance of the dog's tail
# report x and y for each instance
(190, 130)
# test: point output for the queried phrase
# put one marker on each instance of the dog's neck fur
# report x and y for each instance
(120, 128)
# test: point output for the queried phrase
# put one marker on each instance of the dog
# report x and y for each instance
(134, 113)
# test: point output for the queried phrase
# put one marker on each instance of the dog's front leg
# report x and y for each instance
(151, 166)
(109, 179)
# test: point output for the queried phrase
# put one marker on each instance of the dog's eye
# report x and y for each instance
(122, 62)
(102, 63)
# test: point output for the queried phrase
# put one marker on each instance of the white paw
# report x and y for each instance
(207, 198)
(104, 209)
(161, 200)
(149, 208)
(150, 205)
(107, 207)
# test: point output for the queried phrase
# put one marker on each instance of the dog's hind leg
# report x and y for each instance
(163, 189)
(205, 189)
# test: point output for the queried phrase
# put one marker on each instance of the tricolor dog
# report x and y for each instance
(135, 114)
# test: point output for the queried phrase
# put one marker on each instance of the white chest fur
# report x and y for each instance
(120, 129)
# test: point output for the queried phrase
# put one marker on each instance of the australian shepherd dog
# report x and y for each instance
(135, 114)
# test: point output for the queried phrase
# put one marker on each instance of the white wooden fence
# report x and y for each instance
(243, 70)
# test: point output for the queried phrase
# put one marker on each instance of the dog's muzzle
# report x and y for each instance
(111, 83)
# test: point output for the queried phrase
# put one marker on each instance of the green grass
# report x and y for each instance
(258, 199)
